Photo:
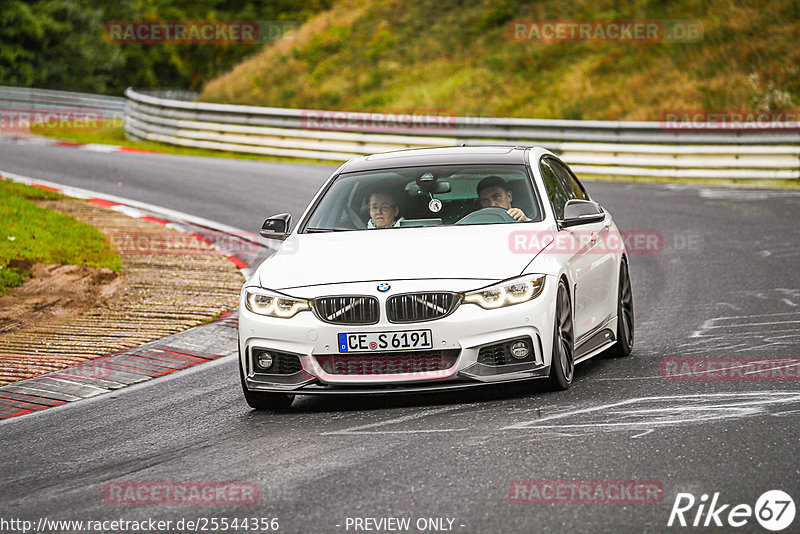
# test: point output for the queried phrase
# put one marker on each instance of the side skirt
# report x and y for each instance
(596, 343)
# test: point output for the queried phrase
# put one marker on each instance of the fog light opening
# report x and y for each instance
(520, 350)
(264, 360)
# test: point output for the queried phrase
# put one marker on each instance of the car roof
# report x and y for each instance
(438, 156)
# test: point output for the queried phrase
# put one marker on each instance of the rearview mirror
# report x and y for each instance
(276, 227)
(415, 190)
(581, 212)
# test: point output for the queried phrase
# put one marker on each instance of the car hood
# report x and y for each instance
(466, 252)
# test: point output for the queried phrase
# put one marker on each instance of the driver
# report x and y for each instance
(493, 191)
(383, 210)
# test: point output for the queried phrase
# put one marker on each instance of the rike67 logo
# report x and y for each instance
(774, 510)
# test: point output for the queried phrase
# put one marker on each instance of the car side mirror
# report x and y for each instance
(578, 212)
(277, 227)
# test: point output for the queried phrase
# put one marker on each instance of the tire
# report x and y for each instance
(261, 400)
(625, 321)
(562, 363)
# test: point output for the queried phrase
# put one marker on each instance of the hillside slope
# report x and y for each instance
(459, 57)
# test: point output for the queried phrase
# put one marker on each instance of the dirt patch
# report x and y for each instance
(55, 291)
(160, 292)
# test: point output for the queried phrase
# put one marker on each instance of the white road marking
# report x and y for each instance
(748, 325)
(129, 211)
(77, 192)
(403, 418)
(642, 415)
(681, 409)
(94, 147)
(738, 193)
(745, 333)
(428, 431)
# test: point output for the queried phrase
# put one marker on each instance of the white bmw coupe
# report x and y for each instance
(435, 269)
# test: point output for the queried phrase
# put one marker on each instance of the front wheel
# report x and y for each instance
(624, 344)
(562, 363)
(261, 400)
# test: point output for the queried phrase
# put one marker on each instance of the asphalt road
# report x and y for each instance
(724, 285)
(240, 193)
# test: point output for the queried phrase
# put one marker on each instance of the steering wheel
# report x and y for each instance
(489, 215)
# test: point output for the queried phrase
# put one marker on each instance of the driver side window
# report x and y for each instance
(557, 191)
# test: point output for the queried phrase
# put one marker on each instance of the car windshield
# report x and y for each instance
(426, 196)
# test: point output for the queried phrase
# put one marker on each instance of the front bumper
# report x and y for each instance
(457, 341)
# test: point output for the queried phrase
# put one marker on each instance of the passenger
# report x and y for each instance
(384, 210)
(493, 191)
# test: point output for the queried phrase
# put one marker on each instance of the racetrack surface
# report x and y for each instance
(724, 285)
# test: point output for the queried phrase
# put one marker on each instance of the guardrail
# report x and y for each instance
(47, 99)
(590, 147)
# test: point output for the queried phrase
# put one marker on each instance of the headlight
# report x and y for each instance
(506, 293)
(266, 302)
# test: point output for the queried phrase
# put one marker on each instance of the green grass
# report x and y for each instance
(458, 57)
(108, 132)
(112, 132)
(32, 234)
(395, 56)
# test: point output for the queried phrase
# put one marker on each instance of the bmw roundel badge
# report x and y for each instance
(384, 287)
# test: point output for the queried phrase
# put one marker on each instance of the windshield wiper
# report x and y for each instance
(322, 230)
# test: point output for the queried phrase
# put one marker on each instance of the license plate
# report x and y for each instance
(385, 341)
